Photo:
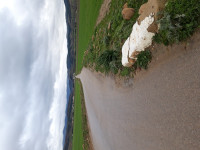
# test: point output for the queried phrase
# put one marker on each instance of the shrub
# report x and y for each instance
(125, 72)
(109, 61)
(179, 21)
(106, 40)
(143, 59)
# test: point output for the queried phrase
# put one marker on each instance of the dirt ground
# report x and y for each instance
(158, 110)
(103, 10)
(152, 6)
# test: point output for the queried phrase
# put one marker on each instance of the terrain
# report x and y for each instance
(157, 110)
(124, 107)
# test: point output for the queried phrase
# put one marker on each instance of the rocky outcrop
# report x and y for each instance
(143, 31)
(139, 39)
(152, 6)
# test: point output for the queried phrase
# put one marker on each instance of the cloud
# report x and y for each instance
(33, 50)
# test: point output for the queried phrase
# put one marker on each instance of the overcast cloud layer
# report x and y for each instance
(33, 50)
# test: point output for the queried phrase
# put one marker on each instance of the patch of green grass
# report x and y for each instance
(88, 13)
(180, 19)
(108, 61)
(81, 138)
(143, 59)
(125, 72)
(78, 129)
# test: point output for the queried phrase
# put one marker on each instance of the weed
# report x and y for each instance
(179, 21)
(125, 72)
(143, 59)
(109, 61)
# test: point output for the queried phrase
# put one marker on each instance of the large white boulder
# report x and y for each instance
(125, 53)
(138, 40)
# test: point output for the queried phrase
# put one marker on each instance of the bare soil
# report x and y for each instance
(152, 6)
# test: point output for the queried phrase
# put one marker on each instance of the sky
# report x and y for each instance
(33, 74)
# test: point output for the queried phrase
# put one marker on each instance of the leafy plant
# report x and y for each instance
(109, 61)
(143, 59)
(106, 40)
(125, 72)
(179, 21)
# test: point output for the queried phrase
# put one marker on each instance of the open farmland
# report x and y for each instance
(88, 13)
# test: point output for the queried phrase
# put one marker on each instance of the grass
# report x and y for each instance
(143, 59)
(89, 10)
(104, 51)
(88, 13)
(180, 19)
(78, 127)
(81, 139)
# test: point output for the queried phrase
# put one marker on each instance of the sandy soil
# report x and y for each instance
(103, 10)
(158, 110)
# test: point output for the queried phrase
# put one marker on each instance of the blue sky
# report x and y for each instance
(33, 74)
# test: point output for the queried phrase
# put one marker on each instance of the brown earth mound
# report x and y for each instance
(127, 13)
(152, 6)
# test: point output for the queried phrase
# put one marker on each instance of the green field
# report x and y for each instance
(89, 10)
(78, 129)
(88, 13)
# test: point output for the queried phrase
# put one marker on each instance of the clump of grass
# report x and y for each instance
(125, 72)
(108, 61)
(143, 59)
(179, 21)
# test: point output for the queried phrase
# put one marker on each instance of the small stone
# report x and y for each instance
(127, 13)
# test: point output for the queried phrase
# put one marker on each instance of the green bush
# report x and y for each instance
(143, 59)
(109, 61)
(106, 40)
(125, 72)
(179, 21)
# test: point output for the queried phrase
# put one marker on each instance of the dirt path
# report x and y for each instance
(161, 109)
(103, 10)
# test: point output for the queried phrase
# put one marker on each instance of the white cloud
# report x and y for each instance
(33, 50)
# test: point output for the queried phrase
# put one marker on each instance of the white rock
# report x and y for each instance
(125, 54)
(138, 40)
